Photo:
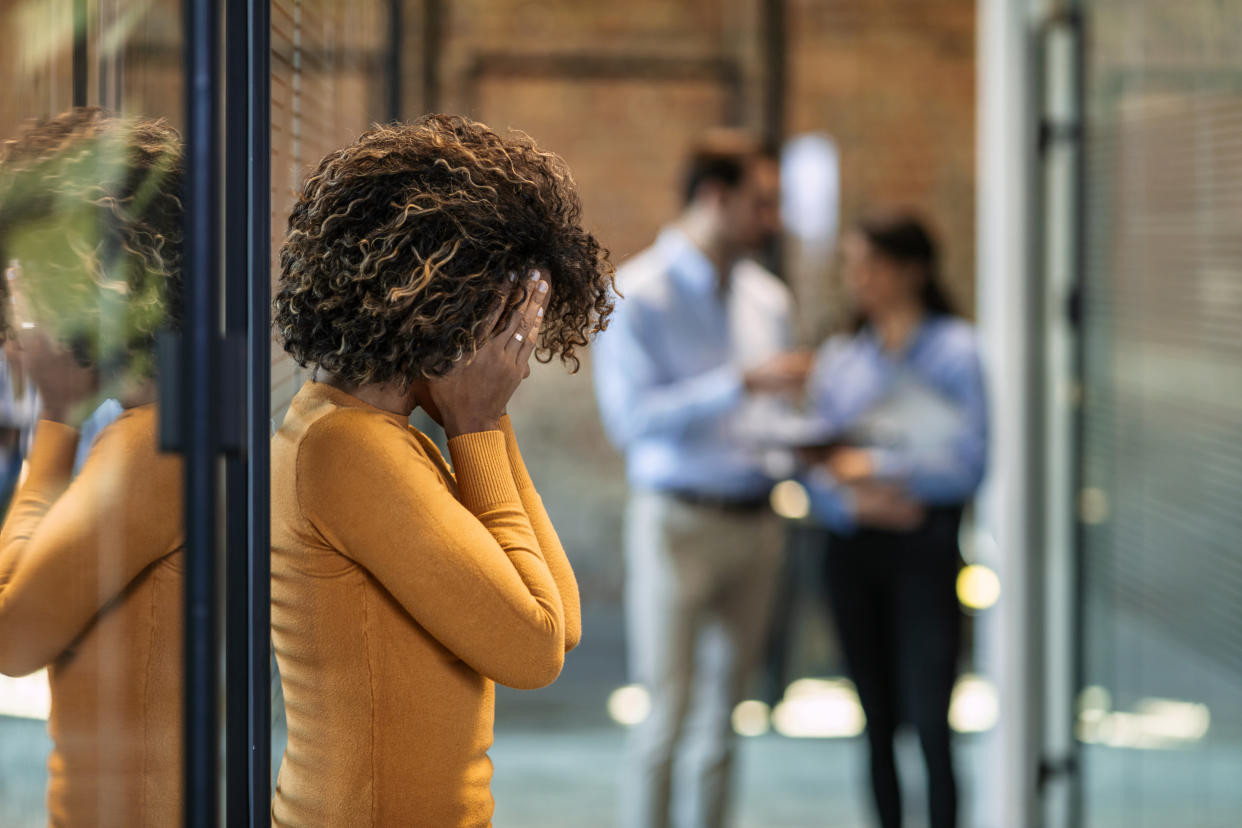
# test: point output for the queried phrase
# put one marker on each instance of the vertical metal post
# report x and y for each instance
(433, 14)
(79, 52)
(1009, 509)
(258, 327)
(236, 490)
(1059, 212)
(775, 71)
(395, 34)
(247, 294)
(1075, 312)
(198, 379)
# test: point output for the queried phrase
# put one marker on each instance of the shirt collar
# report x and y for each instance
(917, 340)
(688, 263)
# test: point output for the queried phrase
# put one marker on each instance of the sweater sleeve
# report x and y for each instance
(68, 549)
(469, 571)
(549, 542)
(638, 400)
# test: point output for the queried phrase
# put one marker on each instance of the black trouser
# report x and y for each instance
(894, 599)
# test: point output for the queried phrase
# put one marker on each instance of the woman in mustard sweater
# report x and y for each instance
(423, 265)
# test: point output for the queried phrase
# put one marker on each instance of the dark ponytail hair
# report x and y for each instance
(903, 238)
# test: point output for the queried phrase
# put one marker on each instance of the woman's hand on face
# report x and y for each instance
(473, 396)
(64, 385)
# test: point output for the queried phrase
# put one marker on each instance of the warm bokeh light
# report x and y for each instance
(819, 708)
(978, 587)
(1174, 720)
(27, 697)
(1094, 703)
(1093, 506)
(629, 705)
(1154, 724)
(974, 707)
(829, 708)
(790, 500)
(751, 718)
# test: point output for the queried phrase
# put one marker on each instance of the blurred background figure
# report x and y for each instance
(91, 548)
(702, 330)
(19, 410)
(904, 421)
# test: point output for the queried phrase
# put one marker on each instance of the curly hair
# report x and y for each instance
(400, 247)
(90, 206)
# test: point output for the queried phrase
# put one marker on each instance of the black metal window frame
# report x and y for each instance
(218, 406)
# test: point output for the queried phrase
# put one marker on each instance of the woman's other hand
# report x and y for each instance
(884, 506)
(472, 397)
(786, 373)
(849, 464)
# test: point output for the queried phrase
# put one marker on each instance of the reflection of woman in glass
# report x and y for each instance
(904, 405)
(90, 565)
(423, 265)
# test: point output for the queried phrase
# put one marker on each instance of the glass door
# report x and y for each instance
(1159, 711)
(98, 249)
(219, 420)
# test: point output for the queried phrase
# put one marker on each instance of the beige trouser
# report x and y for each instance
(699, 588)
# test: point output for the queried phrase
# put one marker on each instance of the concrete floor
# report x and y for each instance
(557, 759)
(781, 783)
(566, 778)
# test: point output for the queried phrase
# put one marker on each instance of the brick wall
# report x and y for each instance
(620, 90)
(893, 83)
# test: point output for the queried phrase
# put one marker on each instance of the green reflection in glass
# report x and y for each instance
(91, 214)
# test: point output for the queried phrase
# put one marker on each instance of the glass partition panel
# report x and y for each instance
(1160, 714)
(92, 547)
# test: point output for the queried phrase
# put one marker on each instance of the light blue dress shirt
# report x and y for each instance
(103, 416)
(920, 413)
(669, 369)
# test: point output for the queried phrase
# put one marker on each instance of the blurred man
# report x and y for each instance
(698, 345)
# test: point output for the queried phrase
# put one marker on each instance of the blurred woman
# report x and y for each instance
(423, 265)
(904, 413)
(91, 558)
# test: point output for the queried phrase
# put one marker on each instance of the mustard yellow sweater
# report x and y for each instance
(91, 583)
(399, 594)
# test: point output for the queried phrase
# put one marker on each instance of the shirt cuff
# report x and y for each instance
(888, 464)
(720, 389)
(712, 392)
(481, 465)
(832, 504)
